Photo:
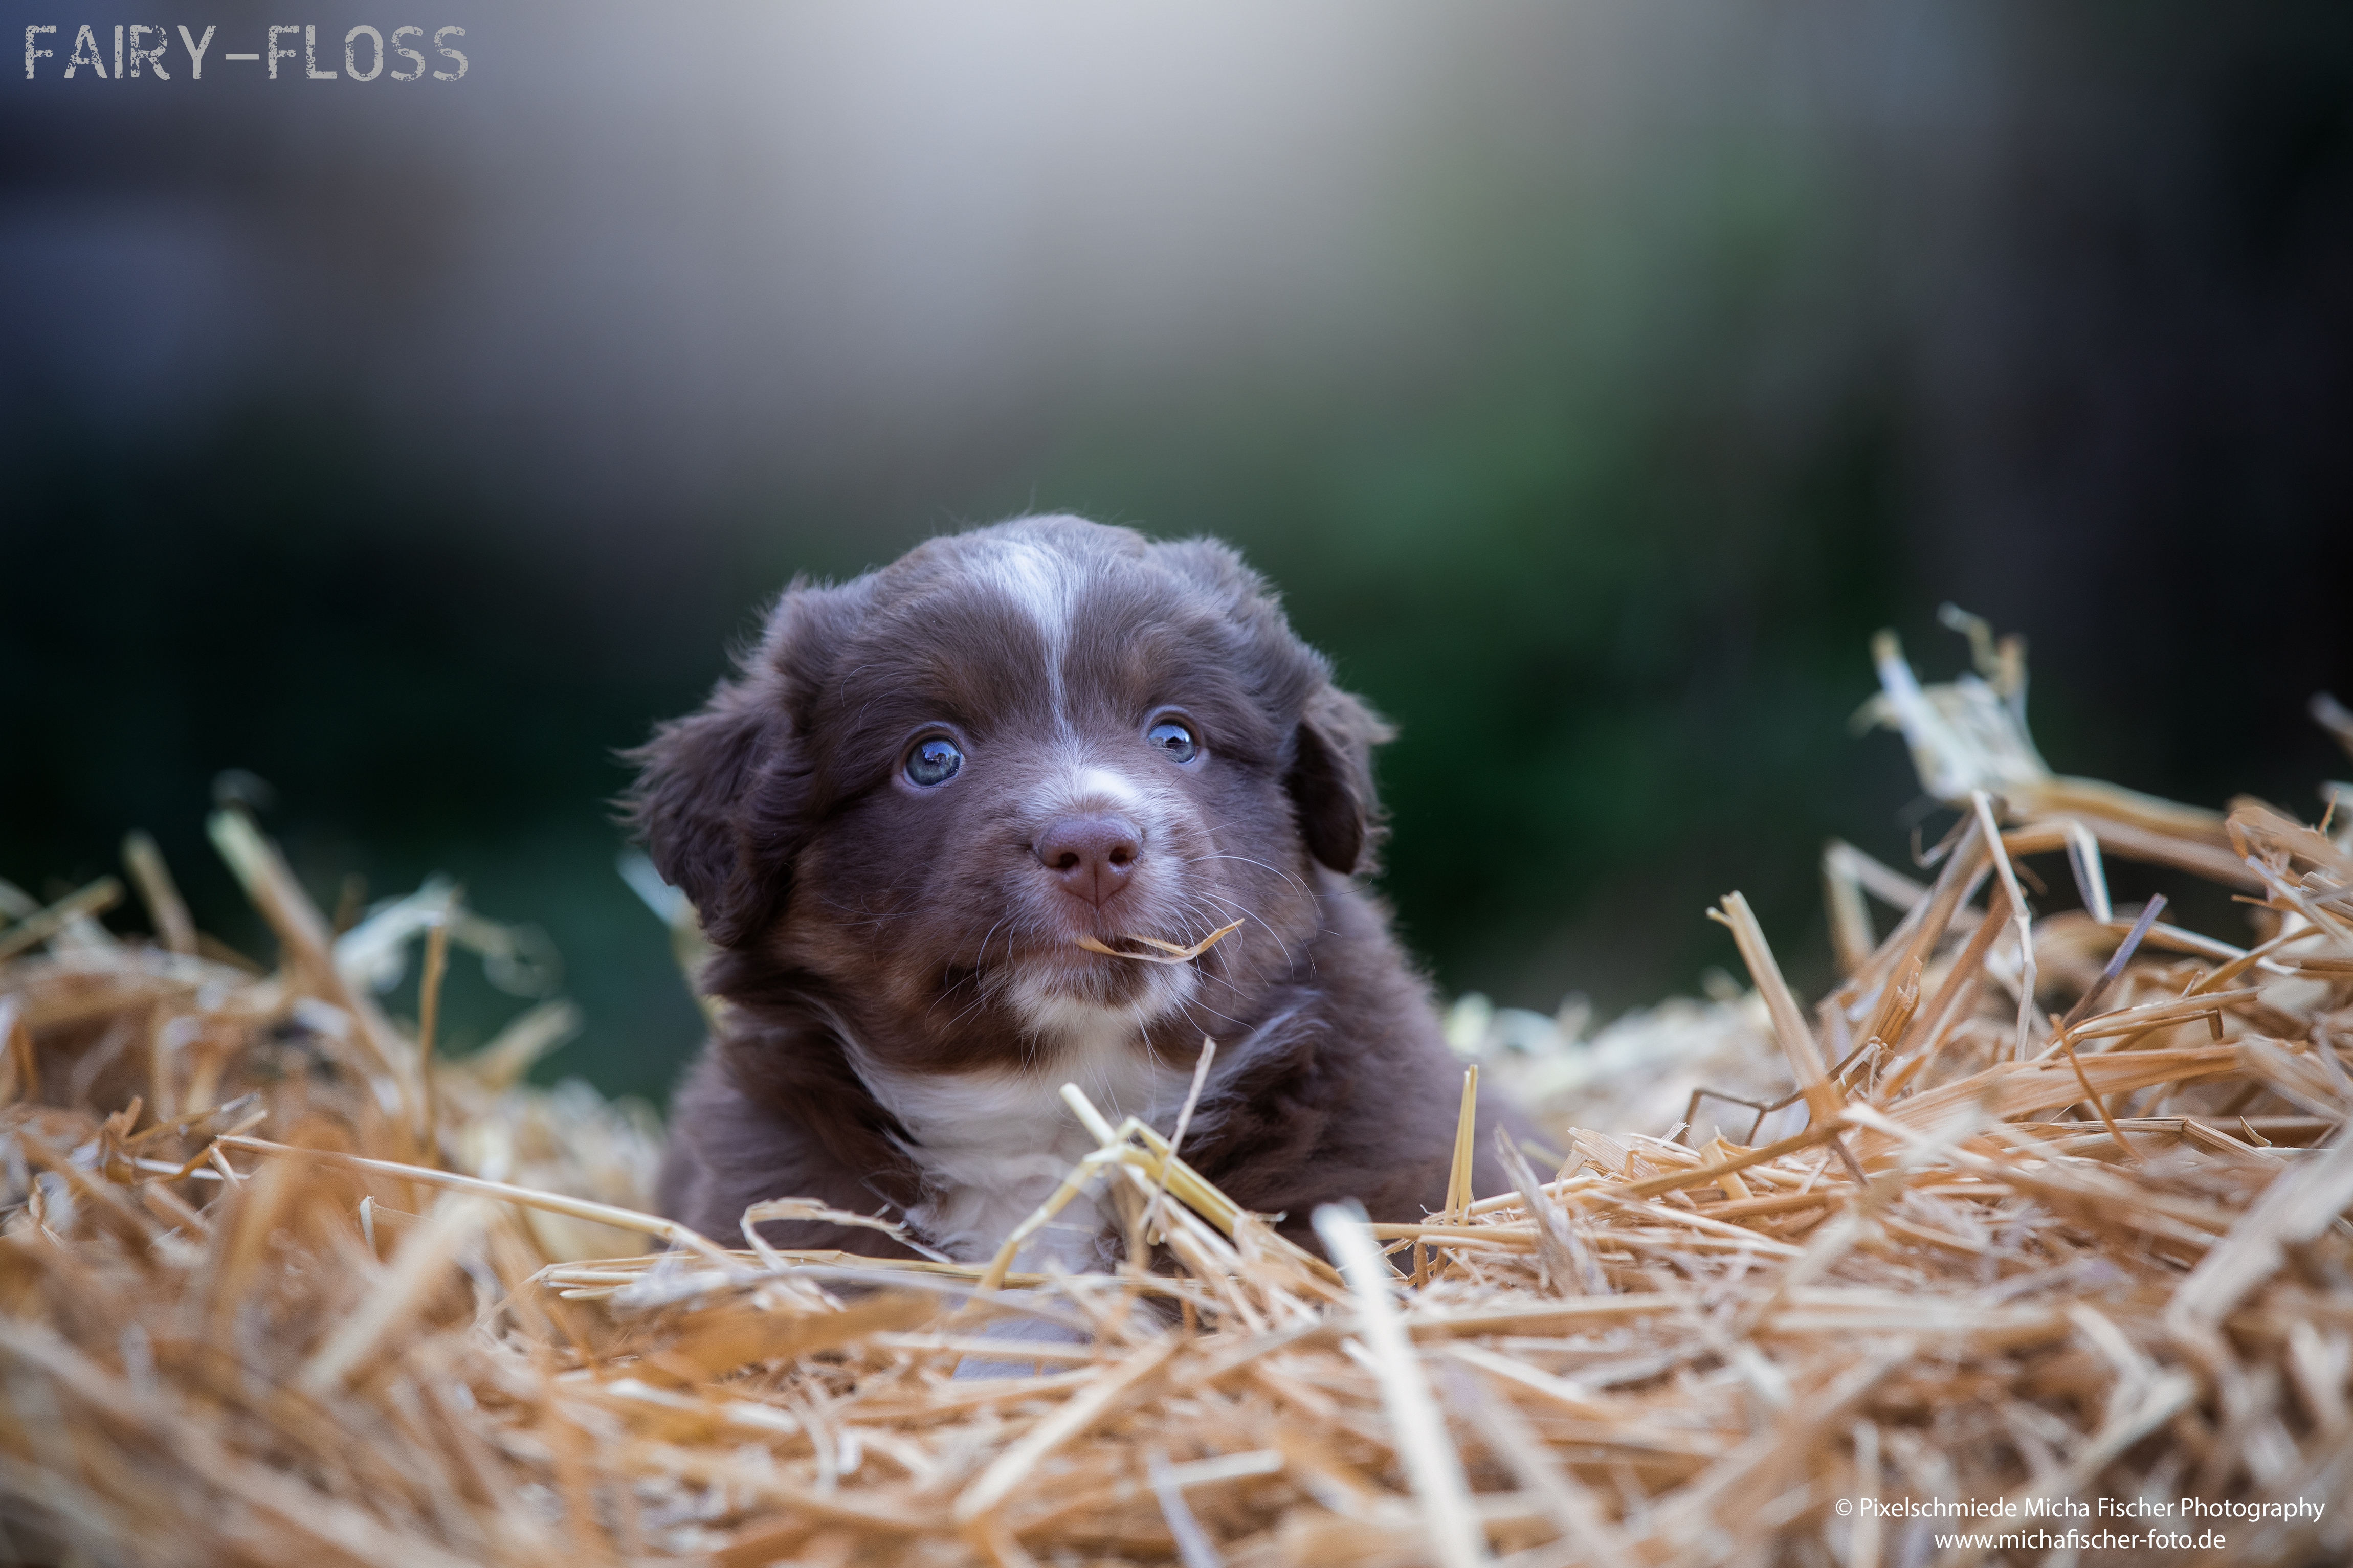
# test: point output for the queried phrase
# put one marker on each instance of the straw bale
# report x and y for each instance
(2031, 1213)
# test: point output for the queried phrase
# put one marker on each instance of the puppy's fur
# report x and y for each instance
(906, 996)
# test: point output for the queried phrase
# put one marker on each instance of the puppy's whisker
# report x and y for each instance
(950, 983)
(1208, 920)
(978, 1000)
(1245, 860)
(1230, 986)
(1221, 1017)
(1250, 914)
(980, 959)
(966, 1011)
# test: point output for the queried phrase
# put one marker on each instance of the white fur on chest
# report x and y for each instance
(994, 1145)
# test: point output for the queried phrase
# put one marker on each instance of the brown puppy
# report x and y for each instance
(925, 785)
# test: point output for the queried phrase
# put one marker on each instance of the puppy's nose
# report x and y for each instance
(1091, 855)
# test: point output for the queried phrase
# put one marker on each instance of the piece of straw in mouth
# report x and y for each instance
(1170, 952)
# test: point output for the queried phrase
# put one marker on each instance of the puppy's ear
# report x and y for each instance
(1331, 779)
(688, 806)
(722, 797)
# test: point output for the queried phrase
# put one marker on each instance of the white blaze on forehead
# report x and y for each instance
(1077, 779)
(1077, 787)
(1092, 787)
(1038, 583)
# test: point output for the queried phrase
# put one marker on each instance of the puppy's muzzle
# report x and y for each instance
(1093, 855)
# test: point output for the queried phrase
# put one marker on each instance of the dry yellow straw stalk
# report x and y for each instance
(1170, 952)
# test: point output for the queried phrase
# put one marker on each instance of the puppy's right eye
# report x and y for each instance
(933, 762)
(1174, 739)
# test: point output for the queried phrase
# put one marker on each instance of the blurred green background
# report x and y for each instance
(1593, 379)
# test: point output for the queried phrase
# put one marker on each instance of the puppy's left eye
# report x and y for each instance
(933, 762)
(1174, 739)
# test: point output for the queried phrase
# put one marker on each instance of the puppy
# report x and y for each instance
(919, 793)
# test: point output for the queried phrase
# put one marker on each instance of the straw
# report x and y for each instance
(1431, 1461)
(1170, 952)
(2106, 1260)
(600, 1213)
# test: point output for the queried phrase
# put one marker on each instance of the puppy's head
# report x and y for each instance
(926, 784)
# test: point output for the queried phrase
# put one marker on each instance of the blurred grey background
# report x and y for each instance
(1594, 377)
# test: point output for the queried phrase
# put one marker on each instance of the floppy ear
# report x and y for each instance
(689, 805)
(1331, 779)
(722, 800)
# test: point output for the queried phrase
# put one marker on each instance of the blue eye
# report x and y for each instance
(1174, 739)
(934, 761)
